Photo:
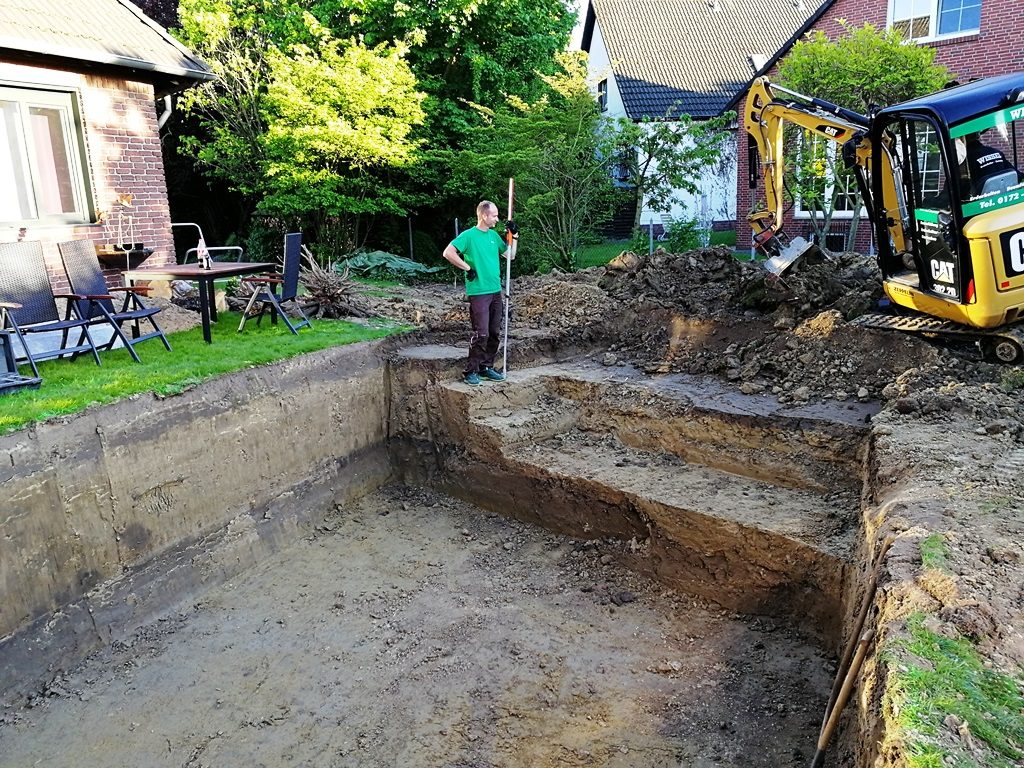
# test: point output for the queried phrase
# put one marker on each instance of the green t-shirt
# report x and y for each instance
(481, 250)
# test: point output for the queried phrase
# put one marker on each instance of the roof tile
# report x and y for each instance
(691, 56)
(111, 32)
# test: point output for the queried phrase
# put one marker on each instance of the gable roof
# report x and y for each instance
(785, 48)
(97, 34)
(690, 56)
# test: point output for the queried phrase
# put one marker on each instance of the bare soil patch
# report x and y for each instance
(411, 629)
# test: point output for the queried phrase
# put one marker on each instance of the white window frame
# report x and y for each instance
(934, 8)
(832, 152)
(602, 95)
(30, 180)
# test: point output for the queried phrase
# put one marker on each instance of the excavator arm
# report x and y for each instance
(766, 113)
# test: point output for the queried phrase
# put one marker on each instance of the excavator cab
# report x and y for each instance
(947, 186)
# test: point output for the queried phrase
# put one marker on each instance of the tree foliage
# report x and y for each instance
(656, 159)
(864, 69)
(337, 117)
(467, 52)
(321, 107)
(551, 147)
(306, 124)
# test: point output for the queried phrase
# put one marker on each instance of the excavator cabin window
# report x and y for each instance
(989, 151)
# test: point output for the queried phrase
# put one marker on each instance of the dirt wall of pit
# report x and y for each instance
(758, 512)
(114, 515)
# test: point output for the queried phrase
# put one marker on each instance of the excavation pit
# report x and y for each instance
(413, 629)
(582, 565)
(717, 494)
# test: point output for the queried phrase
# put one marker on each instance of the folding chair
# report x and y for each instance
(10, 377)
(96, 302)
(265, 289)
(30, 306)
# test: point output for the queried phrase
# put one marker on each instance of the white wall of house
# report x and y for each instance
(715, 199)
(599, 67)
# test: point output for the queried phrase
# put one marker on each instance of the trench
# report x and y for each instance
(579, 566)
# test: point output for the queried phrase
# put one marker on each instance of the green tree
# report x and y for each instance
(304, 124)
(658, 158)
(864, 68)
(229, 110)
(465, 52)
(551, 147)
(340, 120)
(462, 52)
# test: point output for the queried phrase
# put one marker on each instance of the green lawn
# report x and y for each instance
(69, 387)
(600, 254)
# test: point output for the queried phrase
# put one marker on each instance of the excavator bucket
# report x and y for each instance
(788, 255)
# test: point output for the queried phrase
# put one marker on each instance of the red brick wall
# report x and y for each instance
(123, 145)
(123, 154)
(994, 50)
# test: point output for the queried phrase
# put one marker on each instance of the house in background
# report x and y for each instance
(654, 59)
(972, 38)
(81, 85)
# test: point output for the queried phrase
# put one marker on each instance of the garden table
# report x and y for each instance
(204, 277)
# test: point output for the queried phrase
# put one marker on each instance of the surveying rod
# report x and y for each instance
(509, 240)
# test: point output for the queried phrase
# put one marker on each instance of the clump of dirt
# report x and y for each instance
(172, 317)
(705, 312)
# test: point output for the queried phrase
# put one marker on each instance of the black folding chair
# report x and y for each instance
(96, 302)
(265, 289)
(30, 306)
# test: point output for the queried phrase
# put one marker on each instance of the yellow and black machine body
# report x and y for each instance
(941, 182)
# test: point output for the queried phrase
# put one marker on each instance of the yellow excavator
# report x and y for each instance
(940, 184)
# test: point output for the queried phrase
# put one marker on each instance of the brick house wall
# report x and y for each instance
(994, 50)
(122, 147)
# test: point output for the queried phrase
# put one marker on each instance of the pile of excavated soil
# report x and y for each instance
(707, 313)
(172, 317)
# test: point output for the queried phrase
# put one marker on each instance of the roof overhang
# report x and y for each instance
(165, 79)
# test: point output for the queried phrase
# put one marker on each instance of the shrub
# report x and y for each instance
(684, 235)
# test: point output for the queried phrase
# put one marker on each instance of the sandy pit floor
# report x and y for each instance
(412, 630)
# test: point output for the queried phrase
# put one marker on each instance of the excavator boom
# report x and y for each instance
(765, 117)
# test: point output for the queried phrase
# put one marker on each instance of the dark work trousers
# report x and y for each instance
(485, 313)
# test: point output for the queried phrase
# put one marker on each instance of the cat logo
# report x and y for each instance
(1013, 252)
(1017, 252)
(831, 130)
(942, 271)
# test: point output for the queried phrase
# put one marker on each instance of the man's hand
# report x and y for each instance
(511, 227)
(470, 274)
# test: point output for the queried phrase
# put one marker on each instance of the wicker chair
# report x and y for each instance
(96, 302)
(30, 306)
(265, 289)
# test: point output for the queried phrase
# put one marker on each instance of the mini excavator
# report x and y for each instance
(941, 187)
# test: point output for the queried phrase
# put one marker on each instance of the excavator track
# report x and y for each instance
(999, 345)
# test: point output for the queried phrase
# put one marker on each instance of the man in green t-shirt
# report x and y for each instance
(477, 252)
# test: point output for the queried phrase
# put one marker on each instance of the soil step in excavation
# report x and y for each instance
(721, 496)
(700, 496)
(412, 629)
